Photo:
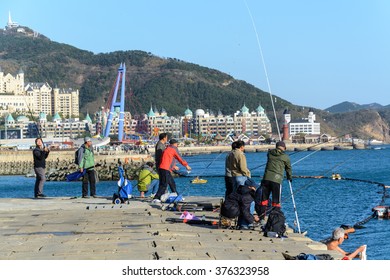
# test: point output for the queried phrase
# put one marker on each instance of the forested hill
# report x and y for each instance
(167, 83)
(151, 81)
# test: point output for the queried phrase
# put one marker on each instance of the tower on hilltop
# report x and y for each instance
(10, 23)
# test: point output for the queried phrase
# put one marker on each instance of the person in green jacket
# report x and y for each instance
(87, 163)
(148, 179)
(277, 163)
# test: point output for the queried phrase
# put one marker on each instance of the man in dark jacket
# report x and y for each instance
(241, 204)
(40, 153)
(277, 163)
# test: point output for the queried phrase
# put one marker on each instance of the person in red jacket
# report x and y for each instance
(169, 155)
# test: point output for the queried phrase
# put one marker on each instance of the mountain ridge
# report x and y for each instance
(166, 83)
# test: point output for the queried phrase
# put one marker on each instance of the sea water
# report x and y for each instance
(322, 204)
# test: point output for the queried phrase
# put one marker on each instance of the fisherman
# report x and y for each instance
(228, 173)
(40, 153)
(241, 204)
(168, 156)
(277, 163)
(159, 150)
(337, 239)
(236, 163)
(147, 180)
(87, 163)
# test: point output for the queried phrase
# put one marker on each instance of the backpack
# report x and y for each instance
(276, 222)
(78, 154)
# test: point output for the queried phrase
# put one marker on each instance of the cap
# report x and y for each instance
(86, 139)
(173, 141)
(280, 144)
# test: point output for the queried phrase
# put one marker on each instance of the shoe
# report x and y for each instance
(94, 196)
(85, 196)
(41, 195)
(156, 201)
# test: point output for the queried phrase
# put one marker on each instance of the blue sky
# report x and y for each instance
(316, 53)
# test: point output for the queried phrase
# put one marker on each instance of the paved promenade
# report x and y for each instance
(94, 229)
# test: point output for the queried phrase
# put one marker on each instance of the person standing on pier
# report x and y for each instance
(236, 163)
(40, 153)
(87, 163)
(159, 149)
(170, 154)
(277, 163)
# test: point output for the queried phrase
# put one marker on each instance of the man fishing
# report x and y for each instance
(40, 153)
(277, 163)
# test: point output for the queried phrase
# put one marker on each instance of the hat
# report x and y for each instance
(173, 141)
(87, 139)
(280, 144)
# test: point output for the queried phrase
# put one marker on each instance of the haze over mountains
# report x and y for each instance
(168, 83)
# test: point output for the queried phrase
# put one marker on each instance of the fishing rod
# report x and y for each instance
(310, 147)
(264, 67)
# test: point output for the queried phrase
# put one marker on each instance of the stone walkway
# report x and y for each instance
(94, 229)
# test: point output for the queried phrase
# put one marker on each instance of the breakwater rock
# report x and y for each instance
(61, 163)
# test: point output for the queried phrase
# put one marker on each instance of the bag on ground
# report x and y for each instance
(276, 222)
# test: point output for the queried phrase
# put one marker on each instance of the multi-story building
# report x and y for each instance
(42, 97)
(304, 126)
(36, 97)
(242, 122)
(65, 101)
(11, 84)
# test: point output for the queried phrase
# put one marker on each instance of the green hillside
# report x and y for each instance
(167, 83)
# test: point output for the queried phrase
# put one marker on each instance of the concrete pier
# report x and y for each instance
(64, 228)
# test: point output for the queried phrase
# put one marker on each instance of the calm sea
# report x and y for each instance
(322, 204)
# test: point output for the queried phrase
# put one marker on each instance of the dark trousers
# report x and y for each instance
(89, 177)
(228, 185)
(268, 187)
(40, 179)
(166, 179)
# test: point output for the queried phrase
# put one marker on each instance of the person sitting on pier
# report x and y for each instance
(147, 180)
(338, 239)
(240, 204)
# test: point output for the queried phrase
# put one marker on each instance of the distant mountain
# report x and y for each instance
(169, 84)
(346, 106)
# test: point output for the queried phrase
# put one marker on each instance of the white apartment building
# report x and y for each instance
(305, 126)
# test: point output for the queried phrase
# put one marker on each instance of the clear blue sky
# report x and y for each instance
(317, 53)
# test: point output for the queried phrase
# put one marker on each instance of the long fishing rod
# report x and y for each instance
(310, 147)
(265, 68)
(32, 118)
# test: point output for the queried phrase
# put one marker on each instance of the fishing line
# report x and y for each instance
(311, 147)
(265, 68)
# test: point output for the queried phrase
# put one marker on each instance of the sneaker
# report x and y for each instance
(41, 195)
(85, 196)
(156, 201)
(94, 196)
(152, 195)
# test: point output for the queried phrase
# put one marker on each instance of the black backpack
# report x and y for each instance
(276, 222)
(78, 154)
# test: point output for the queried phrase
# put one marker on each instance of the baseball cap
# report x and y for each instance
(86, 139)
(173, 141)
(280, 144)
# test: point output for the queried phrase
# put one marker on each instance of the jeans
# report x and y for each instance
(242, 222)
(153, 186)
(238, 181)
(39, 181)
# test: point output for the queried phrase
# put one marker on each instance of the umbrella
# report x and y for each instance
(75, 175)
